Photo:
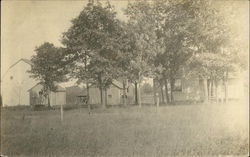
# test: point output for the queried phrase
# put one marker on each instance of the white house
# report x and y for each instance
(16, 83)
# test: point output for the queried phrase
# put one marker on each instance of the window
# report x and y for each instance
(177, 85)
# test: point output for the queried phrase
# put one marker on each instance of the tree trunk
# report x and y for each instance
(162, 94)
(101, 96)
(172, 89)
(154, 91)
(139, 94)
(136, 94)
(205, 90)
(166, 90)
(124, 93)
(101, 90)
(216, 91)
(226, 91)
(211, 90)
(87, 83)
(87, 86)
(49, 100)
(226, 88)
(106, 96)
(139, 88)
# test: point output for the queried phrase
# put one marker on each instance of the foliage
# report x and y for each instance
(141, 23)
(48, 66)
(96, 45)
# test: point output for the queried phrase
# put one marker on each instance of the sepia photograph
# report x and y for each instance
(124, 78)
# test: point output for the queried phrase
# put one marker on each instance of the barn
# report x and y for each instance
(56, 98)
(16, 83)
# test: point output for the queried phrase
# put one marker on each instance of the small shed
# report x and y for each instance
(73, 93)
(114, 94)
(56, 98)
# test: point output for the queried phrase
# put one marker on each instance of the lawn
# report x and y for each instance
(177, 130)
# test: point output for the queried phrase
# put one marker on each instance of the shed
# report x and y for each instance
(73, 93)
(114, 94)
(56, 98)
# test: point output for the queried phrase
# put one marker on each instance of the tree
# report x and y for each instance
(213, 54)
(187, 28)
(95, 44)
(48, 67)
(141, 22)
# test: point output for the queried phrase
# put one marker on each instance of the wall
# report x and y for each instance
(15, 85)
(56, 98)
(113, 96)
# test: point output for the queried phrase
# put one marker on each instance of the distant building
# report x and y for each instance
(191, 88)
(73, 94)
(114, 94)
(19, 89)
(16, 83)
(56, 98)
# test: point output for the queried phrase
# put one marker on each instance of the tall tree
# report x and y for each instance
(95, 44)
(48, 67)
(141, 22)
(187, 28)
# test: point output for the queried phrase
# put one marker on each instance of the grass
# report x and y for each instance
(180, 130)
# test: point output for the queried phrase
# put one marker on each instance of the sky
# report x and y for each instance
(27, 24)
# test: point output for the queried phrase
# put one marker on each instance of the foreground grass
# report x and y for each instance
(183, 130)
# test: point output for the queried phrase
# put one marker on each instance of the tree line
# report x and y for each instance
(159, 40)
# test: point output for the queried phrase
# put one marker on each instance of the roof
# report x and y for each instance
(22, 59)
(76, 90)
(116, 83)
(26, 61)
(59, 88)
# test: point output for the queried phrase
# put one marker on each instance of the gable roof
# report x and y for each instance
(76, 90)
(59, 88)
(26, 61)
(116, 83)
(20, 60)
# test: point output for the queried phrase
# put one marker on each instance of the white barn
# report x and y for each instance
(16, 83)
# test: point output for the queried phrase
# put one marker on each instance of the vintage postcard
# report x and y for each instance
(124, 78)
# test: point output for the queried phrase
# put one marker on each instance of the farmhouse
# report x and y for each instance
(56, 98)
(191, 88)
(16, 83)
(114, 94)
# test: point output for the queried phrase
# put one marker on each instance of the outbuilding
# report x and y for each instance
(56, 98)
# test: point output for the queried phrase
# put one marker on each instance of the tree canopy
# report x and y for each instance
(48, 66)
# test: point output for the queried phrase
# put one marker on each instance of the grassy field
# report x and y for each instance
(180, 130)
